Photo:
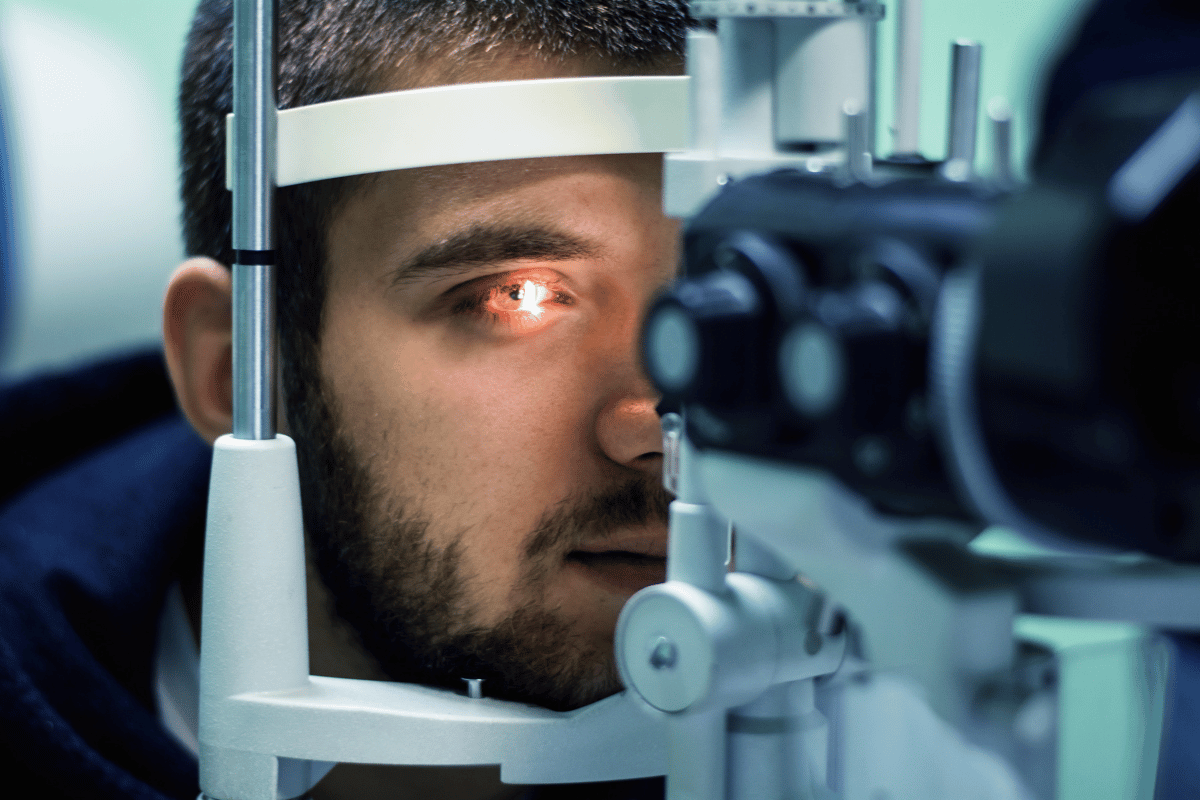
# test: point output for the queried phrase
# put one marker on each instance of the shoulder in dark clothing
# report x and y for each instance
(103, 497)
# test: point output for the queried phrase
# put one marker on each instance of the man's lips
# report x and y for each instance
(641, 544)
(626, 564)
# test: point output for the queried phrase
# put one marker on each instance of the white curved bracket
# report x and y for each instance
(472, 122)
(376, 722)
(263, 718)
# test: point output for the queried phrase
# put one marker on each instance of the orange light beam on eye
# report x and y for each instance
(532, 296)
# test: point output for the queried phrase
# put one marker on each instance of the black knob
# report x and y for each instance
(850, 353)
(703, 338)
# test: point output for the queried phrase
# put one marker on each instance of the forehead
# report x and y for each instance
(414, 198)
(392, 214)
(396, 214)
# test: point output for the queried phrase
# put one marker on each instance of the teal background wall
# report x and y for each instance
(151, 31)
(1020, 40)
(1105, 710)
(89, 91)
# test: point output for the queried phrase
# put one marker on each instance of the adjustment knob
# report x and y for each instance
(681, 648)
(849, 353)
(812, 369)
(702, 339)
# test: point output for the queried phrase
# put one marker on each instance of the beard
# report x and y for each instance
(407, 598)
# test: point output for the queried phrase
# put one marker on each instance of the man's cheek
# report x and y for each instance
(517, 392)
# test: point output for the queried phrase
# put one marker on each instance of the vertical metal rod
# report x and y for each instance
(858, 142)
(254, 109)
(871, 103)
(908, 78)
(964, 109)
(704, 67)
(1000, 116)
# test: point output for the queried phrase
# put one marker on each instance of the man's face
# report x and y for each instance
(499, 449)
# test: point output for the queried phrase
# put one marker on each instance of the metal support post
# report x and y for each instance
(254, 110)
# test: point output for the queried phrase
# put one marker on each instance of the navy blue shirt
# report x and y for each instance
(102, 507)
(91, 536)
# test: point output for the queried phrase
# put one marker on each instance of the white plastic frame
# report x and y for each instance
(268, 729)
(471, 122)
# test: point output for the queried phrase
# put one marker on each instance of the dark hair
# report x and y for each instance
(332, 49)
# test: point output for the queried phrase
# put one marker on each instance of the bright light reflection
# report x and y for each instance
(531, 297)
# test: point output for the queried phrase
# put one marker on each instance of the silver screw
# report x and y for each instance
(664, 654)
(474, 688)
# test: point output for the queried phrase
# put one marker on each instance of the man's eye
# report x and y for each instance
(520, 304)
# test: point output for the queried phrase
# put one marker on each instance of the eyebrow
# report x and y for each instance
(481, 245)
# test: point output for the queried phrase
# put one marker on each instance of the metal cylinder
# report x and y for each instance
(704, 68)
(777, 745)
(254, 124)
(908, 78)
(859, 160)
(254, 138)
(1000, 116)
(253, 351)
(964, 108)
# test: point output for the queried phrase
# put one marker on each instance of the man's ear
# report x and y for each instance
(198, 340)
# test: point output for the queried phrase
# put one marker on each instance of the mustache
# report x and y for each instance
(631, 504)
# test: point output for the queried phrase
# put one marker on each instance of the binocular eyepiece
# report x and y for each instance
(801, 332)
(806, 331)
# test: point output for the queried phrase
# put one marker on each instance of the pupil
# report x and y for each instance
(517, 294)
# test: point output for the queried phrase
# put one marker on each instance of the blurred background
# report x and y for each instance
(89, 110)
(89, 104)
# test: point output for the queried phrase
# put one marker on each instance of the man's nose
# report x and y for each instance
(629, 431)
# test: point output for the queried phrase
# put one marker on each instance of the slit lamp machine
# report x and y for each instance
(871, 358)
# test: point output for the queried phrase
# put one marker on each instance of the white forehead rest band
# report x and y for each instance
(478, 122)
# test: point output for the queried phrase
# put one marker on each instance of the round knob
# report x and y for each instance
(702, 337)
(851, 352)
(665, 646)
(684, 649)
(812, 369)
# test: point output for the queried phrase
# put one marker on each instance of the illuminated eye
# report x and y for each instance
(528, 297)
(531, 296)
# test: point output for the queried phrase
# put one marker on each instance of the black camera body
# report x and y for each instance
(1088, 358)
(802, 331)
(813, 303)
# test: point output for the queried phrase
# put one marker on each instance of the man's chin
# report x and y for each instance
(535, 656)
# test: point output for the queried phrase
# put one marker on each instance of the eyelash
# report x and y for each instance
(482, 291)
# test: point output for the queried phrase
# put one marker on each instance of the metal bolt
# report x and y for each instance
(664, 654)
(474, 687)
